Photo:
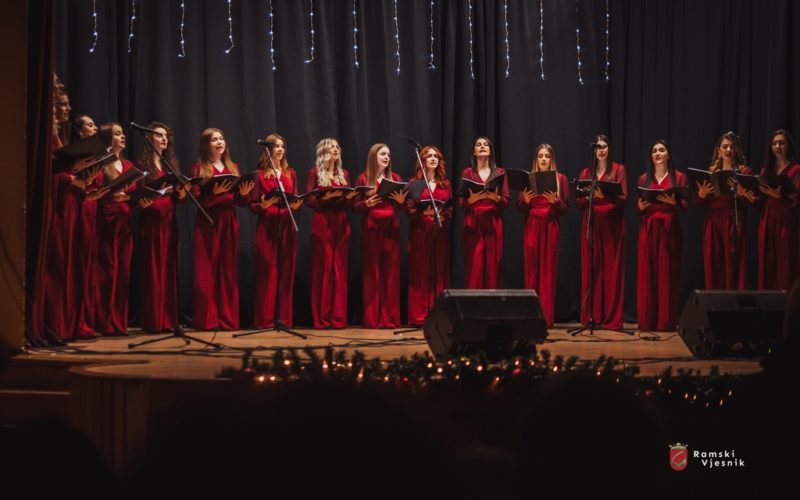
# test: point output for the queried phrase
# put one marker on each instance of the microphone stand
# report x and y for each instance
(438, 219)
(591, 324)
(177, 331)
(279, 326)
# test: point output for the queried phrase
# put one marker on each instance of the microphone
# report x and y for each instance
(593, 145)
(262, 142)
(143, 129)
(412, 141)
(731, 135)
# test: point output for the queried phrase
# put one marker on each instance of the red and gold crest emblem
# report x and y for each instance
(678, 456)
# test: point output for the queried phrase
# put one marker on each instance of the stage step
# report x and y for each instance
(38, 373)
(22, 406)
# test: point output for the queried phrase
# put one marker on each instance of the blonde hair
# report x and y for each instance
(324, 178)
(553, 164)
(207, 164)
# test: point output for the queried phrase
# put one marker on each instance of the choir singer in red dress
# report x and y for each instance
(380, 242)
(158, 235)
(115, 243)
(215, 295)
(778, 254)
(542, 230)
(660, 243)
(428, 244)
(483, 219)
(725, 222)
(608, 241)
(330, 236)
(268, 204)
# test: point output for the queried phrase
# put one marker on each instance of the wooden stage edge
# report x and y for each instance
(172, 359)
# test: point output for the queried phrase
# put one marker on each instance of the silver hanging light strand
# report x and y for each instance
(271, 34)
(431, 63)
(471, 55)
(311, 30)
(397, 37)
(230, 28)
(578, 42)
(130, 31)
(355, 35)
(94, 31)
(183, 20)
(541, 39)
(608, 43)
(508, 46)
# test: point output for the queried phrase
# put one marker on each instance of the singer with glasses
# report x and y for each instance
(778, 253)
(115, 242)
(158, 234)
(215, 295)
(330, 236)
(660, 243)
(428, 243)
(725, 222)
(541, 231)
(483, 219)
(268, 204)
(607, 238)
(380, 242)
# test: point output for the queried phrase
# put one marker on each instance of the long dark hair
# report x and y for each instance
(609, 158)
(769, 162)
(492, 163)
(651, 168)
(147, 157)
(739, 158)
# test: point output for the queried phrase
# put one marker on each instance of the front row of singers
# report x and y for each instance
(102, 230)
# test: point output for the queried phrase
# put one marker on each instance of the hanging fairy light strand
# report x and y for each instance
(230, 28)
(94, 31)
(608, 23)
(508, 46)
(578, 42)
(272, 36)
(130, 31)
(471, 55)
(397, 37)
(541, 39)
(183, 19)
(355, 35)
(311, 30)
(431, 64)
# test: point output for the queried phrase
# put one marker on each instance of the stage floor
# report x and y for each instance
(172, 359)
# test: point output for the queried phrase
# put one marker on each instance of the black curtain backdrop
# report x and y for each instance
(682, 70)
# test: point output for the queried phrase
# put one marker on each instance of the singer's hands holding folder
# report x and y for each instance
(222, 187)
(551, 196)
(246, 187)
(773, 192)
(399, 196)
(268, 202)
(476, 196)
(335, 193)
(669, 199)
(745, 193)
(704, 189)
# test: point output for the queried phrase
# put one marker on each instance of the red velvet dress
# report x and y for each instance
(88, 260)
(540, 243)
(608, 244)
(724, 243)
(62, 280)
(778, 255)
(112, 272)
(428, 255)
(380, 257)
(266, 254)
(483, 236)
(330, 240)
(659, 253)
(158, 238)
(215, 295)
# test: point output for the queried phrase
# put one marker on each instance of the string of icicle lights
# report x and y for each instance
(132, 19)
(578, 42)
(183, 19)
(356, 48)
(311, 30)
(230, 28)
(508, 46)
(431, 64)
(94, 31)
(272, 36)
(397, 37)
(355, 35)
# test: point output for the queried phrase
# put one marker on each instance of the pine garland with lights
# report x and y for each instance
(421, 371)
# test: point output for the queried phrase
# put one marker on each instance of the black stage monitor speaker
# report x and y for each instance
(740, 323)
(501, 323)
